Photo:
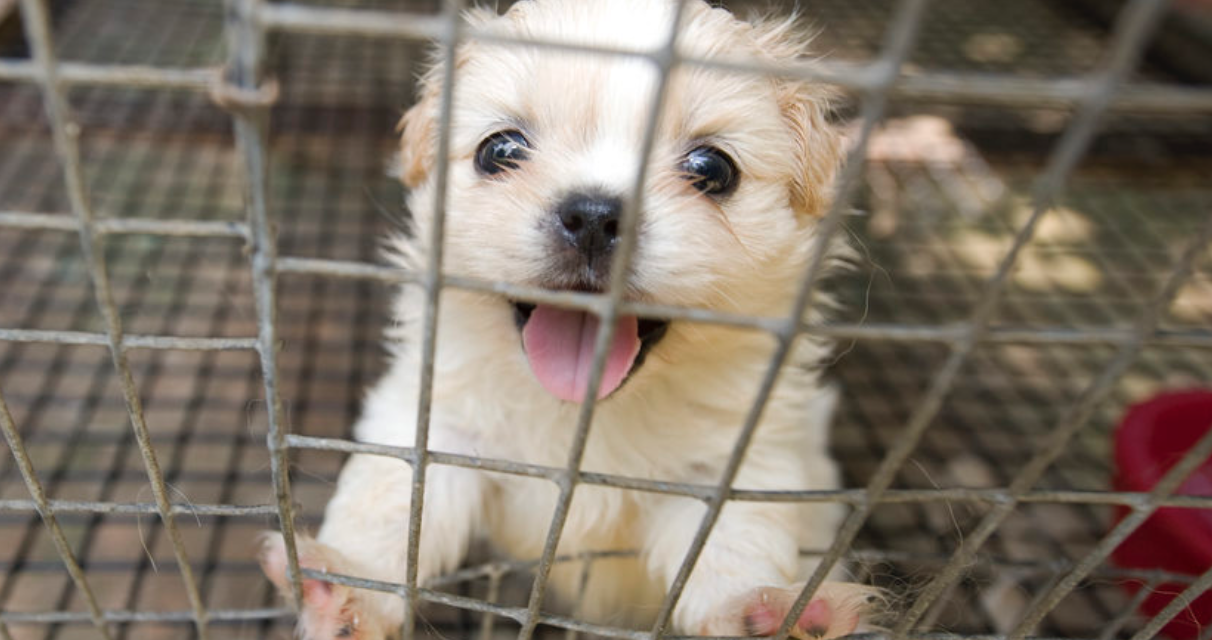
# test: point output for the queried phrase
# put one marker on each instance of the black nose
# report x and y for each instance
(590, 222)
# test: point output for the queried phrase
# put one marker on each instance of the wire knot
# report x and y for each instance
(236, 98)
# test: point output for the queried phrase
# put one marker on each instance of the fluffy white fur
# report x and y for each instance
(679, 414)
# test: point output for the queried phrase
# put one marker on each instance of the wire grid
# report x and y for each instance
(953, 343)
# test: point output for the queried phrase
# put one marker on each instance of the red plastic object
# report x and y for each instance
(1151, 438)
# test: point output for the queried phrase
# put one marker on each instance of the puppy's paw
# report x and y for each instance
(330, 611)
(837, 609)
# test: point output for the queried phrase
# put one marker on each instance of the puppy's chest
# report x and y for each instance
(671, 446)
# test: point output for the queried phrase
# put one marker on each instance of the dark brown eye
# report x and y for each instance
(500, 151)
(710, 171)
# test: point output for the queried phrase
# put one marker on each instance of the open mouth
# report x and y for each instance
(559, 347)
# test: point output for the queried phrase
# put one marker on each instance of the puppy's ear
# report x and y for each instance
(419, 132)
(805, 108)
(817, 146)
(419, 127)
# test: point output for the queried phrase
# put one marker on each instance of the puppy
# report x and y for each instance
(543, 151)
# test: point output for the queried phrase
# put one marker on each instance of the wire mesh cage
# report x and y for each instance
(192, 199)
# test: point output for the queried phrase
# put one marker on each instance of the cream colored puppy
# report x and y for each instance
(544, 149)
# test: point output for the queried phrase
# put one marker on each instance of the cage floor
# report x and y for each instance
(946, 188)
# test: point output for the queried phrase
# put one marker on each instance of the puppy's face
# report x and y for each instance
(545, 148)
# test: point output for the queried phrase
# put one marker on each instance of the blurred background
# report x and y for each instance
(947, 185)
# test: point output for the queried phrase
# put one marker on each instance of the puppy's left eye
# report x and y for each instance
(710, 171)
(500, 151)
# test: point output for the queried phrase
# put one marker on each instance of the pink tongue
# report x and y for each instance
(559, 345)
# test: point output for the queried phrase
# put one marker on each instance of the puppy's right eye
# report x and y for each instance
(500, 151)
(710, 170)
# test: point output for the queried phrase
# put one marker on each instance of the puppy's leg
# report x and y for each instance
(329, 610)
(365, 534)
(744, 580)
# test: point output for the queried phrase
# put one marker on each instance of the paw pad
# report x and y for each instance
(835, 611)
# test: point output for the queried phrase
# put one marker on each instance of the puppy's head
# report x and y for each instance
(544, 150)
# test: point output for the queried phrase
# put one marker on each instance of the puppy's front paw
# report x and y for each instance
(330, 611)
(835, 610)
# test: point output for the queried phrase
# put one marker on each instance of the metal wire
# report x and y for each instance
(433, 289)
(666, 59)
(1132, 30)
(1065, 157)
(217, 615)
(47, 512)
(247, 50)
(931, 86)
(501, 568)
(1166, 486)
(1129, 613)
(707, 492)
(1188, 337)
(244, 91)
(1176, 606)
(90, 506)
(897, 46)
(64, 132)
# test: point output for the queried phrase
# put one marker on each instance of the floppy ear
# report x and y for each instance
(817, 146)
(805, 109)
(419, 127)
(419, 131)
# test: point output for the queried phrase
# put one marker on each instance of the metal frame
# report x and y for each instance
(243, 88)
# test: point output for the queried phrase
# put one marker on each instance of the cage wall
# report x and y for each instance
(979, 392)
